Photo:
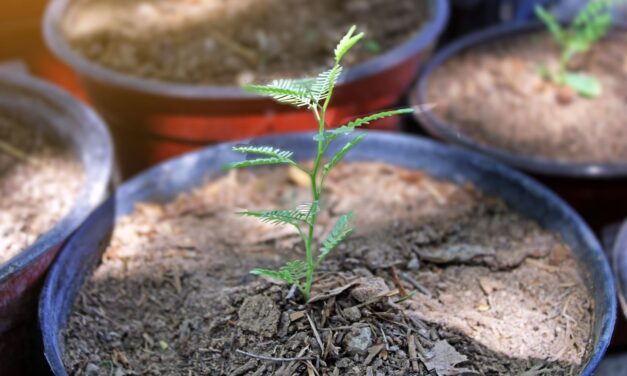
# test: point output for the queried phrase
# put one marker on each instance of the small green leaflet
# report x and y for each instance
(346, 43)
(340, 231)
(348, 128)
(292, 92)
(282, 217)
(322, 85)
(267, 151)
(257, 162)
(551, 24)
(583, 84)
(291, 273)
(340, 154)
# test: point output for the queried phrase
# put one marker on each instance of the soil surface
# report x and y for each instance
(40, 179)
(436, 280)
(495, 95)
(235, 41)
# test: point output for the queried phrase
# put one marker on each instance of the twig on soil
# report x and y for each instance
(385, 338)
(417, 285)
(397, 282)
(273, 359)
(14, 152)
(313, 327)
(411, 343)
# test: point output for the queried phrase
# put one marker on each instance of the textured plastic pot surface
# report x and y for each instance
(154, 120)
(448, 132)
(39, 104)
(619, 264)
(165, 181)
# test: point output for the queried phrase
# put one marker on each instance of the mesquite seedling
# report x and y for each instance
(591, 24)
(315, 95)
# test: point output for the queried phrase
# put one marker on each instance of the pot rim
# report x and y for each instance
(55, 41)
(445, 130)
(52, 307)
(619, 265)
(97, 173)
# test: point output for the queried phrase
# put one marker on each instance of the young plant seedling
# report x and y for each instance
(314, 95)
(591, 24)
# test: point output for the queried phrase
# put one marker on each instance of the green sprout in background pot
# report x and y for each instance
(591, 24)
(314, 95)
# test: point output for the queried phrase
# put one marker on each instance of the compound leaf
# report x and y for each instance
(290, 273)
(292, 92)
(340, 154)
(266, 151)
(348, 128)
(346, 43)
(326, 80)
(340, 231)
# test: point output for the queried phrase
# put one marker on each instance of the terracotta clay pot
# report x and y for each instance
(153, 120)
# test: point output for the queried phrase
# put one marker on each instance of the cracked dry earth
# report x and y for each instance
(436, 280)
(38, 185)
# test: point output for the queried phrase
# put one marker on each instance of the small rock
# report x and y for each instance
(352, 314)
(369, 288)
(413, 264)
(92, 370)
(259, 314)
(564, 95)
(358, 341)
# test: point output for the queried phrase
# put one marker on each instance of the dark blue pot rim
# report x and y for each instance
(446, 131)
(164, 190)
(96, 154)
(619, 264)
(424, 38)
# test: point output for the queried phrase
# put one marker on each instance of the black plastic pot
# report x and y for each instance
(165, 181)
(595, 190)
(38, 104)
(619, 265)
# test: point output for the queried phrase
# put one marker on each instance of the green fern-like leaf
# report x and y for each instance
(257, 162)
(593, 21)
(340, 231)
(350, 127)
(292, 92)
(281, 217)
(266, 151)
(340, 154)
(326, 80)
(290, 273)
(551, 24)
(346, 43)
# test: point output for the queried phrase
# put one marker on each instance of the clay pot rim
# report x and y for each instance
(59, 46)
(165, 180)
(90, 137)
(444, 130)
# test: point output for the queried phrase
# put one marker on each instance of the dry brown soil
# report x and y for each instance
(40, 179)
(235, 41)
(493, 293)
(494, 94)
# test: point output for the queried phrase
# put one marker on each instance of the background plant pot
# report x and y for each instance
(165, 181)
(595, 190)
(21, 277)
(619, 265)
(154, 120)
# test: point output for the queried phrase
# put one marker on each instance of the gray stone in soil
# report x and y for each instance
(259, 314)
(92, 370)
(369, 288)
(353, 314)
(358, 340)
